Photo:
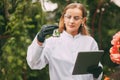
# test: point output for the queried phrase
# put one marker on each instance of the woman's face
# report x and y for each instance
(72, 20)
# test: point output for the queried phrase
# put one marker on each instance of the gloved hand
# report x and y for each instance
(95, 70)
(45, 30)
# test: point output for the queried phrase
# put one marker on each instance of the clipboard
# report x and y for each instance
(85, 60)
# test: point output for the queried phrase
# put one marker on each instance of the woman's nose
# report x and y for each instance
(71, 20)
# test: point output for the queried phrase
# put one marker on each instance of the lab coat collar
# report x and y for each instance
(69, 35)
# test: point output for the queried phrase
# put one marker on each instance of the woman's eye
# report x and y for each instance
(69, 17)
(76, 18)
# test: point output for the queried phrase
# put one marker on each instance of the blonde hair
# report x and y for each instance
(83, 28)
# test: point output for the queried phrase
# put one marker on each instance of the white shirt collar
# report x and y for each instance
(64, 33)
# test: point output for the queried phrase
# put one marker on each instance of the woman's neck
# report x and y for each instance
(72, 33)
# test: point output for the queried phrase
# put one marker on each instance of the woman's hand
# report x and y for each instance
(45, 30)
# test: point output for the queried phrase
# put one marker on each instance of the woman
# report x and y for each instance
(61, 52)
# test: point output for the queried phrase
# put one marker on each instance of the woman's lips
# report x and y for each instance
(71, 26)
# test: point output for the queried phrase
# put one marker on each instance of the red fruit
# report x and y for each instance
(115, 49)
(115, 58)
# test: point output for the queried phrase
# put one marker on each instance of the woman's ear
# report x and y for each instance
(84, 20)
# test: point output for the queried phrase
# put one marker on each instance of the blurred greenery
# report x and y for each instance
(20, 20)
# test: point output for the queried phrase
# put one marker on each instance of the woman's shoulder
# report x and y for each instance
(87, 37)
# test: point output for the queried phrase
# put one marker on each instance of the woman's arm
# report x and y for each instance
(34, 54)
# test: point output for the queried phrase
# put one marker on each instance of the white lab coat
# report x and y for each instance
(60, 53)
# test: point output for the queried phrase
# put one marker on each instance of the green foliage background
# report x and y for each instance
(20, 20)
